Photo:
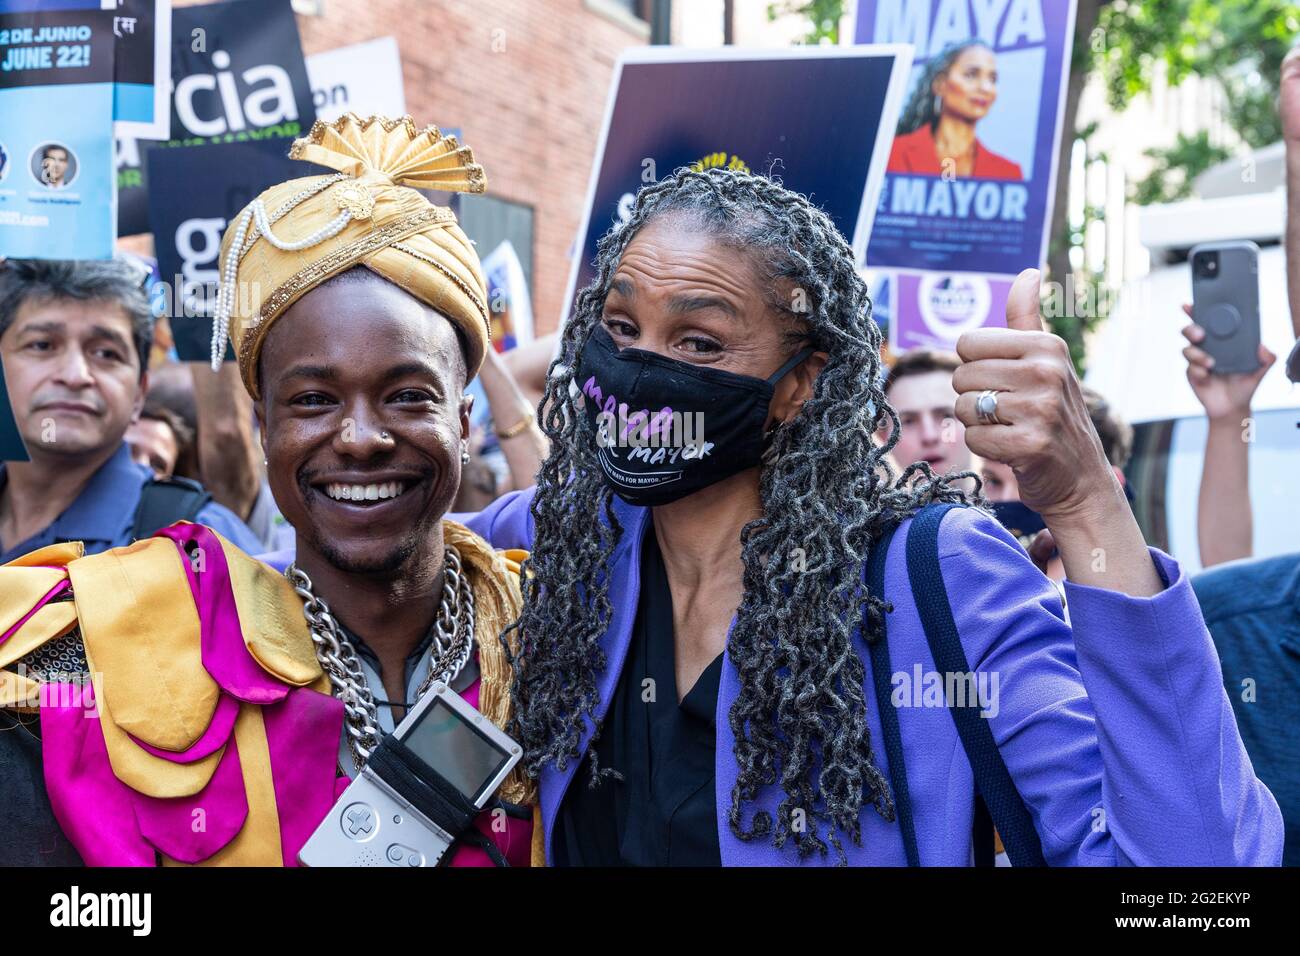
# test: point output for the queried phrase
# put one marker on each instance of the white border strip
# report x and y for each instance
(161, 127)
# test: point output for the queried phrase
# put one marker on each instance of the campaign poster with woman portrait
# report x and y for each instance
(971, 172)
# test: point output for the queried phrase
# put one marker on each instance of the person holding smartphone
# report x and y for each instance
(1252, 607)
(1224, 523)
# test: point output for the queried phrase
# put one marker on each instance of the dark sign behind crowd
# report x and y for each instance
(11, 442)
(188, 223)
(816, 118)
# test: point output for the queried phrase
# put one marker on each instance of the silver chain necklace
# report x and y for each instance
(453, 643)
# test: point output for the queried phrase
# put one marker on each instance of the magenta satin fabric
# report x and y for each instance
(191, 829)
(112, 825)
(302, 734)
(224, 655)
(92, 806)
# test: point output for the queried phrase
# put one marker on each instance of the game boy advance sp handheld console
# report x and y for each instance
(372, 824)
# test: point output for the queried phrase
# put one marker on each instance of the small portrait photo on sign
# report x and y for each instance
(54, 165)
(943, 128)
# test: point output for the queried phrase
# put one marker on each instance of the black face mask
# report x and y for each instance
(665, 429)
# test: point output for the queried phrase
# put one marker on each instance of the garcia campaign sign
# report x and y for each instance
(971, 173)
(56, 138)
(818, 118)
(239, 76)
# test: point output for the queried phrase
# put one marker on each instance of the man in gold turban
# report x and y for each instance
(357, 311)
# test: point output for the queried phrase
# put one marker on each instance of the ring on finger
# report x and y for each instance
(986, 407)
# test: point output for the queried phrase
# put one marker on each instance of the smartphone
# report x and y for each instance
(1225, 302)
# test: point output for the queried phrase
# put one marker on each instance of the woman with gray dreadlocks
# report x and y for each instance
(694, 682)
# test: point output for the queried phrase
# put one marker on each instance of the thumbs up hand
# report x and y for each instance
(1034, 417)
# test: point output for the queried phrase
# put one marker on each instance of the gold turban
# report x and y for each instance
(296, 235)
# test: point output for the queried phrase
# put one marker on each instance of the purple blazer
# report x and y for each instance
(1115, 727)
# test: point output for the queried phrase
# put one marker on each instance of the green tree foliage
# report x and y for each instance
(1176, 167)
(1239, 43)
(823, 15)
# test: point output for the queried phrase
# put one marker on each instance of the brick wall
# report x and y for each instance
(524, 80)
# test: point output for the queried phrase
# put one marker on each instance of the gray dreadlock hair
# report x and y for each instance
(919, 110)
(800, 717)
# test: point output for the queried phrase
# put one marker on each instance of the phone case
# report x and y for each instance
(1226, 305)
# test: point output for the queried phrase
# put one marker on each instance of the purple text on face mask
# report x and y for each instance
(660, 425)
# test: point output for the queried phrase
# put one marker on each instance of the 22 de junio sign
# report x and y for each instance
(35, 49)
(56, 47)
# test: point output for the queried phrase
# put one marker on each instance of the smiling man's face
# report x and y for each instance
(363, 418)
(73, 375)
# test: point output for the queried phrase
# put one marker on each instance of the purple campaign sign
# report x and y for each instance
(971, 173)
(931, 310)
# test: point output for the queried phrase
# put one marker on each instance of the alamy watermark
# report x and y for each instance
(951, 689)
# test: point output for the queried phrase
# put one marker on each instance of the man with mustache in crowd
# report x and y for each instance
(75, 340)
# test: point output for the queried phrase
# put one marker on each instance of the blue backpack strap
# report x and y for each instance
(992, 779)
(880, 674)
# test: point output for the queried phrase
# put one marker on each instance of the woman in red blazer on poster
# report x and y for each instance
(956, 91)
